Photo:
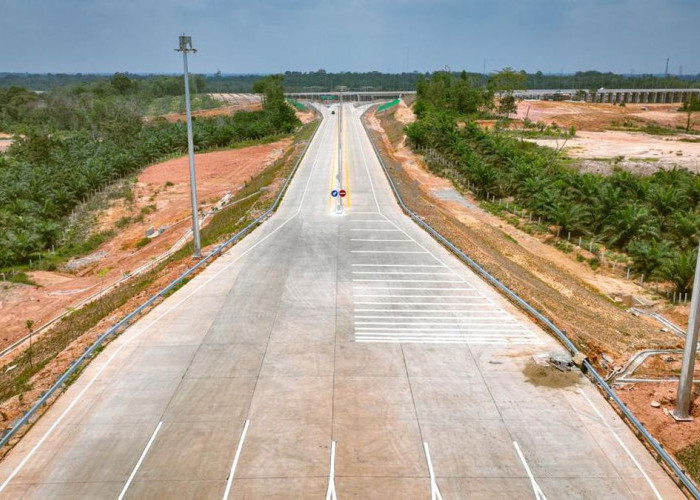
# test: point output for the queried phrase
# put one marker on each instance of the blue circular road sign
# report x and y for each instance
(334, 193)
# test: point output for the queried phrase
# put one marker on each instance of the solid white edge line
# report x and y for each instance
(539, 494)
(397, 265)
(380, 241)
(408, 273)
(330, 492)
(119, 348)
(374, 302)
(403, 316)
(138, 464)
(393, 296)
(445, 341)
(415, 310)
(232, 472)
(442, 289)
(388, 251)
(624, 447)
(434, 490)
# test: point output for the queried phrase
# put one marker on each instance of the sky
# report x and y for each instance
(272, 36)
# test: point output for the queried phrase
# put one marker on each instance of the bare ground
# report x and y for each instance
(637, 152)
(598, 116)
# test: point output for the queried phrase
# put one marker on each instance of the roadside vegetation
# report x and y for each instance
(17, 377)
(73, 142)
(655, 220)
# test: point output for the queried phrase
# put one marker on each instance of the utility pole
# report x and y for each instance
(685, 384)
(185, 47)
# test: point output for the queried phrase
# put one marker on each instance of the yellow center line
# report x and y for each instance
(346, 164)
(333, 163)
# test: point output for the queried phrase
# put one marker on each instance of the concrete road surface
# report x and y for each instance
(330, 355)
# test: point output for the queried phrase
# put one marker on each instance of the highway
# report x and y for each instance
(330, 355)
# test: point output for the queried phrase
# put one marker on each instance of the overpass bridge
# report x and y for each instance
(650, 96)
(349, 96)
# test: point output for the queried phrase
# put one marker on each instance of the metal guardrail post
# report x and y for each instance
(597, 378)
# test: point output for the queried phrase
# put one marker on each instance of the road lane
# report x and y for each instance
(356, 328)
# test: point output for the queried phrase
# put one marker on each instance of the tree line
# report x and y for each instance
(654, 220)
(298, 81)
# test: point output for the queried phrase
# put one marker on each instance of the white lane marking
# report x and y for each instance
(405, 288)
(398, 265)
(402, 281)
(363, 309)
(330, 493)
(434, 490)
(391, 296)
(403, 273)
(539, 495)
(374, 230)
(430, 328)
(386, 251)
(440, 331)
(367, 220)
(381, 316)
(119, 348)
(380, 241)
(138, 464)
(435, 340)
(434, 303)
(232, 472)
(624, 447)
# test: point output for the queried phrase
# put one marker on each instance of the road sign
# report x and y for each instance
(334, 193)
(342, 193)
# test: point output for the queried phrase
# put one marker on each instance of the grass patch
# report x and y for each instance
(18, 277)
(148, 209)
(143, 242)
(689, 457)
(123, 222)
(548, 376)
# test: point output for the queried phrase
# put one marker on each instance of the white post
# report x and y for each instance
(685, 384)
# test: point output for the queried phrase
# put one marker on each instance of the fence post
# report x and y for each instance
(628, 274)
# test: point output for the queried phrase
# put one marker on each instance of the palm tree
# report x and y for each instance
(680, 270)
(650, 256)
(629, 222)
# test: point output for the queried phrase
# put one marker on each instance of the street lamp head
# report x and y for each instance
(186, 44)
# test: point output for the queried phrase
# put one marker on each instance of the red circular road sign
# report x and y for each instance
(342, 193)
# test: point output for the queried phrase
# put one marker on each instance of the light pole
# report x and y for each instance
(685, 384)
(185, 47)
